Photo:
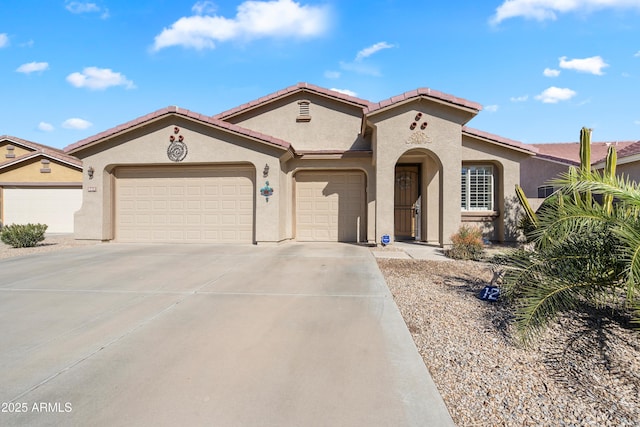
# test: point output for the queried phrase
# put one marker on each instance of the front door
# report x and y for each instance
(407, 202)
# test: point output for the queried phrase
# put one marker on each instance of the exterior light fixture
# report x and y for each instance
(265, 172)
(90, 172)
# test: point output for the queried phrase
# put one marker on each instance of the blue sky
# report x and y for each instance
(542, 69)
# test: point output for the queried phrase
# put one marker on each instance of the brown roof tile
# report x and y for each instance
(423, 92)
(38, 149)
(289, 90)
(180, 112)
(569, 152)
(499, 139)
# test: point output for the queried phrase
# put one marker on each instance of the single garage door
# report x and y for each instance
(330, 206)
(184, 204)
(52, 206)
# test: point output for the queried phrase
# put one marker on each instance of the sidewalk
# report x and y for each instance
(410, 250)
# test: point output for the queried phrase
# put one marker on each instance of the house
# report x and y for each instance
(304, 163)
(38, 184)
(554, 159)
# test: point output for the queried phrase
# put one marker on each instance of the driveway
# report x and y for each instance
(291, 335)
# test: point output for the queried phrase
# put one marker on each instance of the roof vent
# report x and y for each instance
(304, 114)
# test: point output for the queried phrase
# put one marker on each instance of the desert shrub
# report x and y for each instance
(467, 244)
(23, 235)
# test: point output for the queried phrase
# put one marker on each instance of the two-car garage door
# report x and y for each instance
(185, 204)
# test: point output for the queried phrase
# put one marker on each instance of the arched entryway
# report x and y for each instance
(418, 197)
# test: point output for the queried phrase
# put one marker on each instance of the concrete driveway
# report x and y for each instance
(293, 335)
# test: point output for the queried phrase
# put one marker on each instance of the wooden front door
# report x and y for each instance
(407, 201)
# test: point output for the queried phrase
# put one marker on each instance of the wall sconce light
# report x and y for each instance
(90, 172)
(265, 172)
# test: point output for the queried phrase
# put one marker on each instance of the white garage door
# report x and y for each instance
(184, 205)
(330, 206)
(52, 206)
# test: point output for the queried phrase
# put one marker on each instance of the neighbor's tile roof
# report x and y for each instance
(569, 152)
(38, 149)
(179, 112)
(630, 150)
(500, 140)
(289, 90)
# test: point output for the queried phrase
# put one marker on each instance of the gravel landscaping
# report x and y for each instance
(582, 372)
(53, 242)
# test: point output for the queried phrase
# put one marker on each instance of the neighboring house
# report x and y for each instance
(554, 159)
(304, 163)
(38, 184)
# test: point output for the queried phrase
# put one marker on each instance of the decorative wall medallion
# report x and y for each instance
(266, 191)
(177, 149)
(418, 137)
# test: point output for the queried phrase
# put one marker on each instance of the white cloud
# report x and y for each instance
(522, 98)
(254, 19)
(78, 7)
(45, 127)
(550, 72)
(345, 91)
(637, 122)
(368, 51)
(637, 54)
(332, 74)
(4, 40)
(542, 10)
(204, 8)
(99, 79)
(76, 123)
(593, 65)
(32, 67)
(491, 108)
(360, 68)
(553, 95)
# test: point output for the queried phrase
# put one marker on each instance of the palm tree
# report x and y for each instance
(587, 250)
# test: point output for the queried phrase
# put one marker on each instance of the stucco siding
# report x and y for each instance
(32, 171)
(630, 170)
(536, 172)
(439, 140)
(148, 146)
(502, 226)
(332, 125)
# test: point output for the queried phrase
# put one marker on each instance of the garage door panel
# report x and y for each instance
(330, 206)
(54, 207)
(186, 205)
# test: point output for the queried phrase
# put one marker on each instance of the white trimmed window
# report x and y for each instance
(477, 188)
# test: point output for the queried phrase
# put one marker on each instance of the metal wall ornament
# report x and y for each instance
(177, 150)
(266, 191)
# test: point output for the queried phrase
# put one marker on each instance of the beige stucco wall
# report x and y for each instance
(29, 171)
(440, 144)
(630, 170)
(333, 125)
(148, 145)
(502, 226)
(536, 172)
(17, 150)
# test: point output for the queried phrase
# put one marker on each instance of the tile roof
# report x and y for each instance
(630, 150)
(289, 90)
(38, 149)
(500, 140)
(569, 152)
(441, 96)
(183, 113)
